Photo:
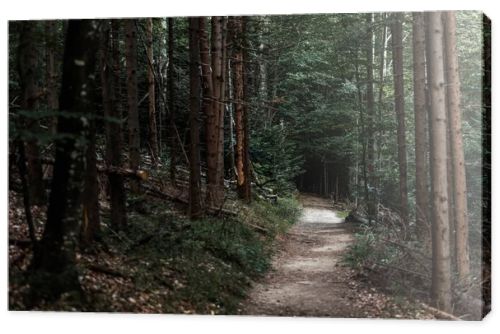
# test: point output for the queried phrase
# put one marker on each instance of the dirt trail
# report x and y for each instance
(308, 278)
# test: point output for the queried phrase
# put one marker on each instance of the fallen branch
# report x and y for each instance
(400, 269)
(22, 243)
(439, 313)
(108, 271)
(355, 218)
(126, 172)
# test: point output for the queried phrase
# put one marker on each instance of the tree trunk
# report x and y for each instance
(110, 79)
(457, 150)
(195, 208)
(133, 114)
(153, 131)
(208, 109)
(171, 105)
(91, 221)
(56, 260)
(397, 54)
(222, 102)
(420, 110)
(50, 71)
(441, 271)
(27, 64)
(218, 107)
(240, 110)
(370, 115)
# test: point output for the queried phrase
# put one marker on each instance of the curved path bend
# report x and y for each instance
(307, 276)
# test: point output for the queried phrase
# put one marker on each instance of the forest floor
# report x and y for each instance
(308, 276)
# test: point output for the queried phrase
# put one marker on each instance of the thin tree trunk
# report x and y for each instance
(457, 150)
(57, 248)
(195, 208)
(91, 221)
(397, 54)
(420, 110)
(110, 79)
(153, 131)
(240, 109)
(380, 103)
(50, 71)
(441, 270)
(361, 130)
(370, 115)
(210, 100)
(217, 105)
(21, 162)
(231, 120)
(133, 114)
(27, 65)
(171, 105)
(222, 103)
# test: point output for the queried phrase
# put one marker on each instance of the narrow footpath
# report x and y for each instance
(309, 279)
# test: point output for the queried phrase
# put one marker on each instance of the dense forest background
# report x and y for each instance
(170, 140)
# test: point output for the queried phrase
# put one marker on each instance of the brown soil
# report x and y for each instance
(309, 279)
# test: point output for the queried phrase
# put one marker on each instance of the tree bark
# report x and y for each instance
(56, 258)
(195, 208)
(91, 221)
(457, 150)
(133, 114)
(171, 104)
(110, 79)
(218, 106)
(153, 131)
(222, 103)
(441, 270)
(27, 65)
(420, 110)
(370, 115)
(240, 110)
(397, 54)
(50, 71)
(209, 109)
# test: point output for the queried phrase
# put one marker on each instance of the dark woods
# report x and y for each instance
(210, 115)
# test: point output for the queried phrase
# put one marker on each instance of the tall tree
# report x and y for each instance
(222, 101)
(420, 110)
(240, 110)
(370, 115)
(56, 257)
(397, 62)
(195, 208)
(30, 100)
(217, 110)
(110, 79)
(133, 114)
(210, 112)
(441, 266)
(91, 220)
(171, 96)
(153, 131)
(51, 70)
(456, 145)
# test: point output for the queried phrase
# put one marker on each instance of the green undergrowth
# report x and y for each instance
(203, 266)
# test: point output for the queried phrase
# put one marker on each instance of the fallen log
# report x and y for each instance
(177, 198)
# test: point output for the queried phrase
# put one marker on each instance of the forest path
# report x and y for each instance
(307, 276)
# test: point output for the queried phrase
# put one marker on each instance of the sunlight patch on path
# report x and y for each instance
(321, 216)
